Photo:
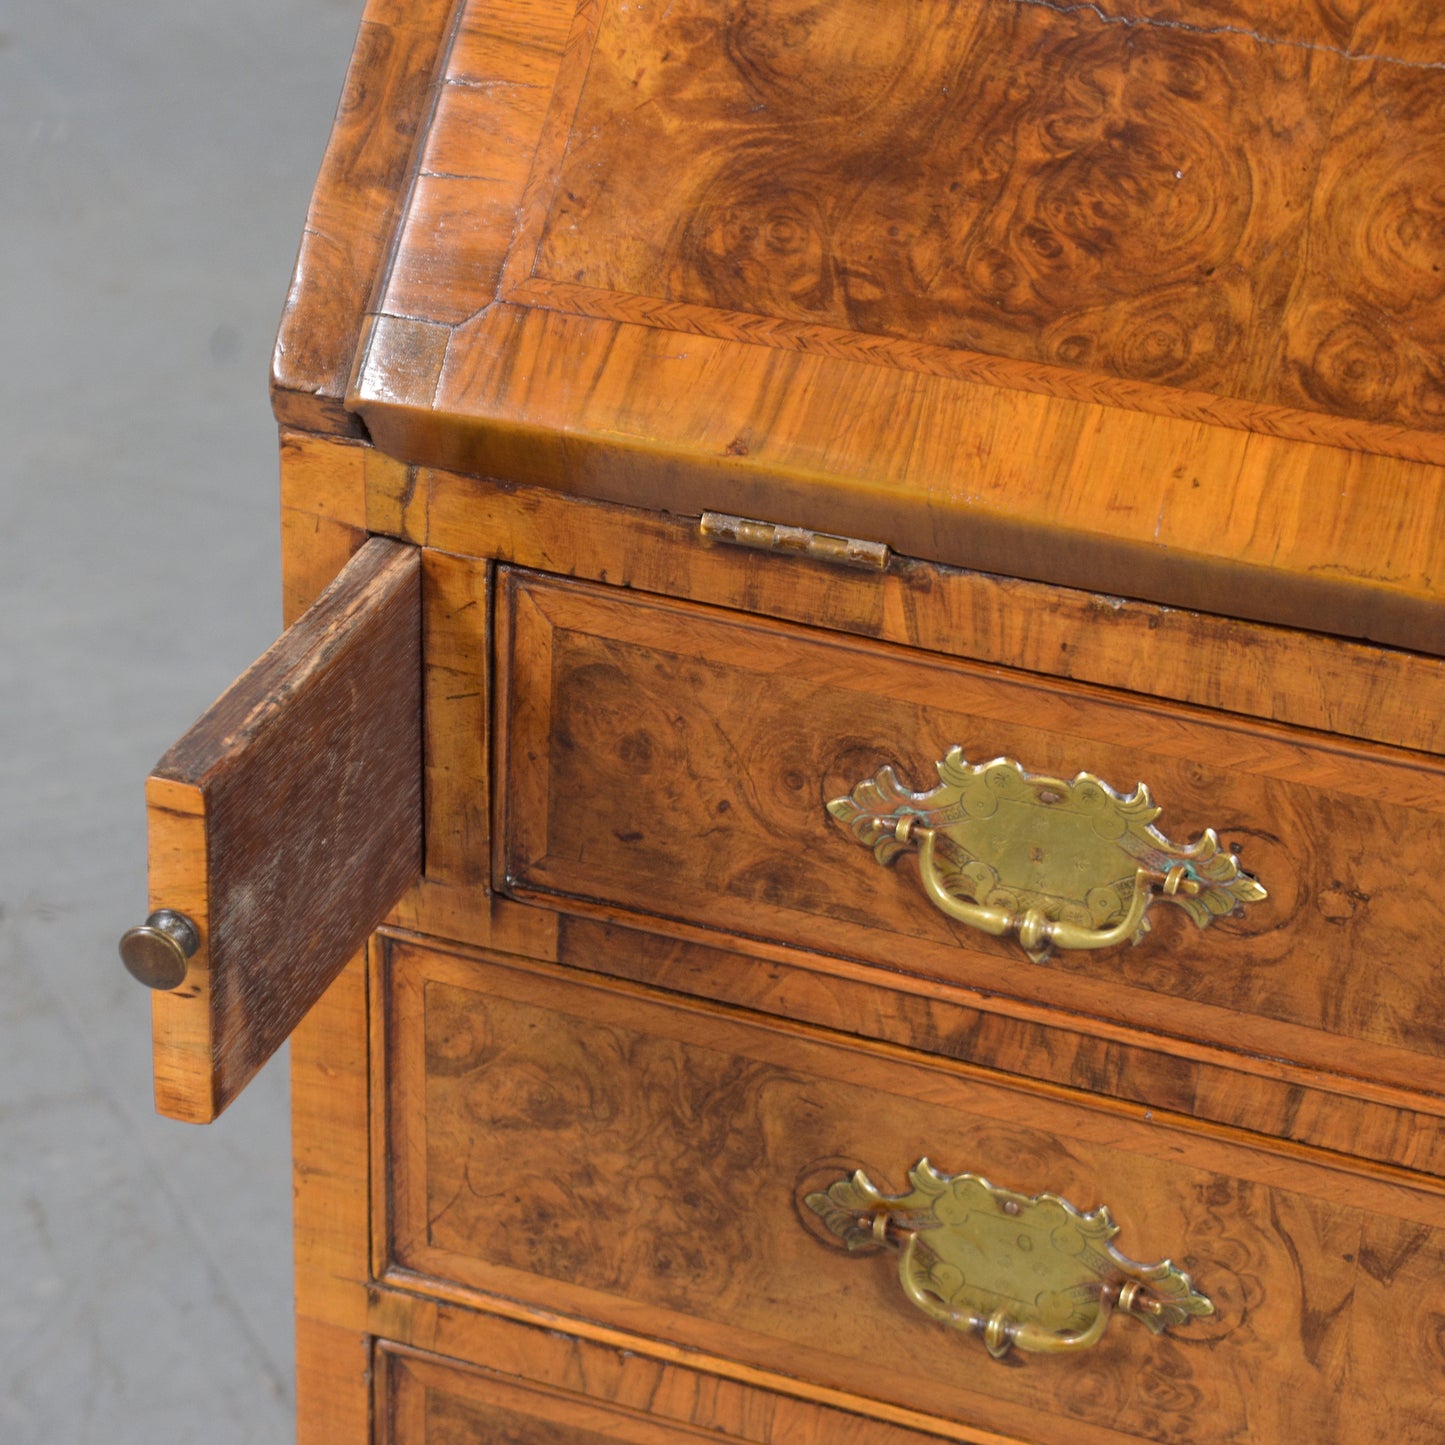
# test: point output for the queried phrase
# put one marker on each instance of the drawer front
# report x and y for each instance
(676, 761)
(567, 1389)
(622, 1155)
(435, 1402)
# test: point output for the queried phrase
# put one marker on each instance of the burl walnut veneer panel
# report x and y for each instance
(1025, 181)
(1168, 1075)
(634, 1160)
(1152, 192)
(1134, 297)
(675, 761)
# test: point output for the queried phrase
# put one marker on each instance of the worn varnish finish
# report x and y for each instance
(1032, 288)
(615, 1154)
(285, 823)
(430, 1404)
(689, 757)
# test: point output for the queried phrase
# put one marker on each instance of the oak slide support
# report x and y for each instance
(285, 824)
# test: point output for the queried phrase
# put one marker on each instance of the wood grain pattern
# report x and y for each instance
(338, 1088)
(1068, 185)
(1210, 660)
(1035, 289)
(323, 519)
(1304, 678)
(331, 1192)
(299, 794)
(676, 762)
(453, 897)
(457, 698)
(614, 1154)
(430, 1401)
(333, 1399)
(1369, 300)
(363, 179)
(1267, 1096)
(1140, 298)
(1414, 30)
(1183, 512)
(331, 1156)
(323, 515)
(1025, 181)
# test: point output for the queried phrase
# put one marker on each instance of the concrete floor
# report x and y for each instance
(155, 160)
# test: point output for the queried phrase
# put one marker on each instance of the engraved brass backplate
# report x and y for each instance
(1021, 1270)
(1071, 864)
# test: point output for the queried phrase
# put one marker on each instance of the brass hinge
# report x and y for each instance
(797, 541)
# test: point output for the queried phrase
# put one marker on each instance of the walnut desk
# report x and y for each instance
(849, 822)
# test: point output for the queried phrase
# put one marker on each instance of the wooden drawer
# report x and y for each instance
(628, 1157)
(540, 1387)
(674, 762)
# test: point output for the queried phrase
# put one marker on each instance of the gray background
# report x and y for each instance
(155, 161)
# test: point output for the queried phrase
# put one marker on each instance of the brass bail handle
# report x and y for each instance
(1035, 930)
(1057, 864)
(1029, 1272)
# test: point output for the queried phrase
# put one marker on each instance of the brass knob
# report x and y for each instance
(157, 951)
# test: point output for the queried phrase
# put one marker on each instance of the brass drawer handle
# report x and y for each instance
(1021, 1270)
(1059, 864)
